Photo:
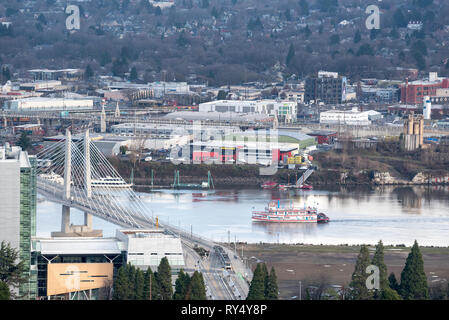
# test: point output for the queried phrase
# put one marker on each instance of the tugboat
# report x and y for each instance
(322, 218)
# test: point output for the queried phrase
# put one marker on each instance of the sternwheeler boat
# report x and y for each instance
(275, 213)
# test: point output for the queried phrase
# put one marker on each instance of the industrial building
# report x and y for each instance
(47, 104)
(327, 87)
(281, 109)
(413, 132)
(18, 208)
(349, 117)
(415, 91)
(251, 147)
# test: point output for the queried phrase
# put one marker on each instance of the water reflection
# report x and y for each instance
(397, 215)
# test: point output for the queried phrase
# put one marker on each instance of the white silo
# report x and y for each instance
(427, 108)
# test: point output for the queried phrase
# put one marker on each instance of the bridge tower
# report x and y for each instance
(103, 120)
(68, 229)
(117, 111)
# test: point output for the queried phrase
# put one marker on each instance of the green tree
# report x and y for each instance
(359, 276)
(41, 18)
(307, 32)
(334, 39)
(365, 49)
(131, 270)
(88, 73)
(399, 19)
(290, 54)
(151, 282)
(304, 7)
(392, 282)
(357, 36)
(5, 294)
(222, 95)
(205, 4)
(164, 279)
(139, 284)
(181, 285)
(12, 268)
(327, 5)
(121, 288)
(385, 292)
(272, 286)
(24, 141)
(378, 260)
(413, 278)
(133, 75)
(196, 289)
(257, 286)
(420, 61)
(214, 13)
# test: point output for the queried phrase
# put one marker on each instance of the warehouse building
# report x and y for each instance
(282, 109)
(349, 117)
(47, 104)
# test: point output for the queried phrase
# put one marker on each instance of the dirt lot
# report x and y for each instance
(334, 264)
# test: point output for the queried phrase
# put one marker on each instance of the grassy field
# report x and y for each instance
(334, 265)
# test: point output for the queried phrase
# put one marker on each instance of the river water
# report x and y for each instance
(395, 215)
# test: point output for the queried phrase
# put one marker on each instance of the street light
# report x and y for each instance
(300, 284)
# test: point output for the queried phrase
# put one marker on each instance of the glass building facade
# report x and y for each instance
(28, 290)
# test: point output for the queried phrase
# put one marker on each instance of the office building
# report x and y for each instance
(18, 208)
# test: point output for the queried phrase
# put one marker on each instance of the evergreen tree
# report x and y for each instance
(133, 75)
(181, 285)
(151, 281)
(88, 73)
(378, 260)
(164, 279)
(266, 277)
(121, 288)
(214, 13)
(357, 36)
(307, 32)
(393, 283)
(365, 49)
(12, 269)
(334, 39)
(413, 278)
(5, 294)
(131, 270)
(24, 141)
(304, 7)
(139, 284)
(290, 54)
(358, 283)
(272, 286)
(196, 289)
(257, 286)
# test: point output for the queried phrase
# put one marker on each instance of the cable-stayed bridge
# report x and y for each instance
(77, 175)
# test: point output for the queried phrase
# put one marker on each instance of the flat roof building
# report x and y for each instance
(18, 207)
(47, 104)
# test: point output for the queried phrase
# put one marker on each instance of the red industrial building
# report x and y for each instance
(324, 136)
(414, 92)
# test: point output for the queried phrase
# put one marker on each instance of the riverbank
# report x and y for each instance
(249, 175)
(332, 264)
